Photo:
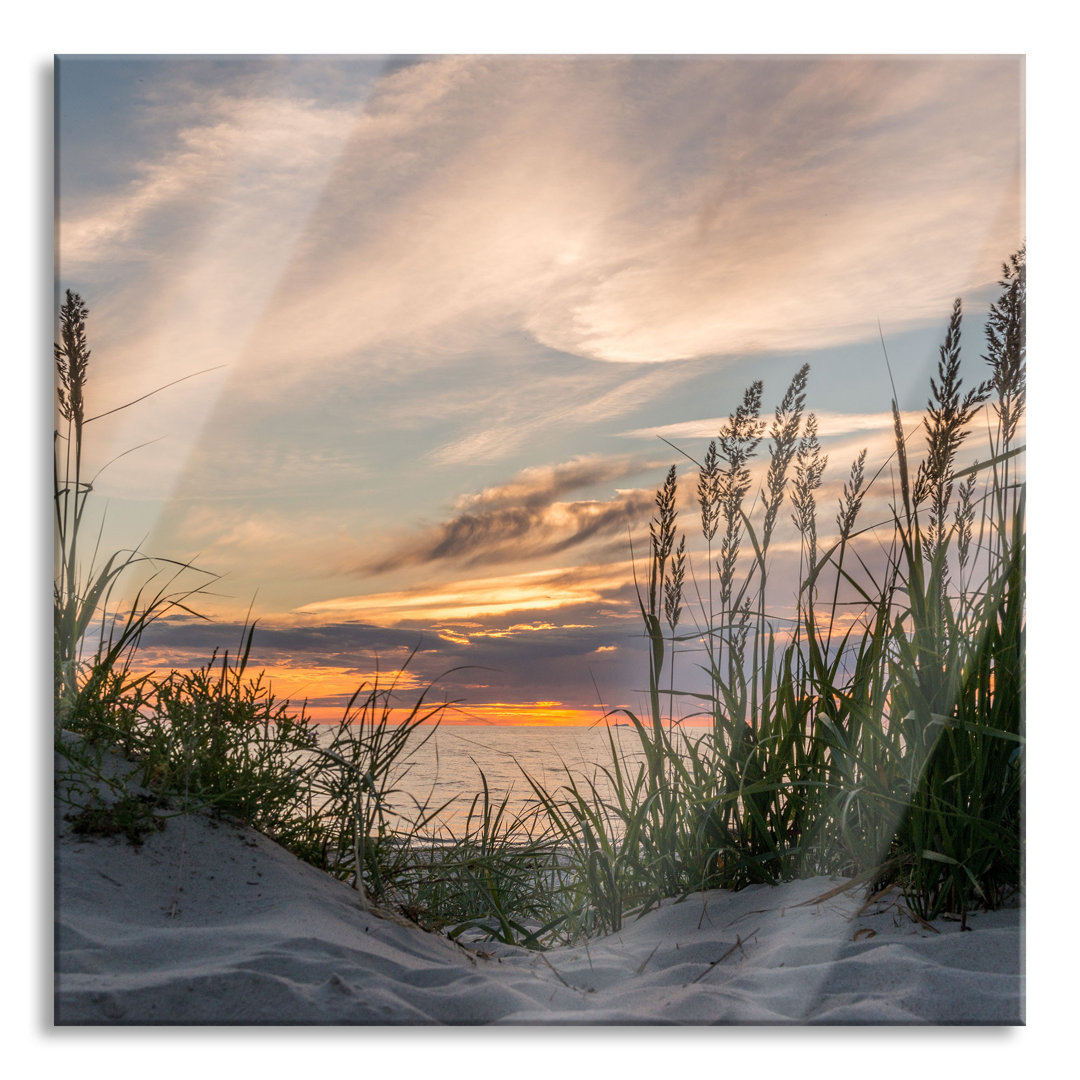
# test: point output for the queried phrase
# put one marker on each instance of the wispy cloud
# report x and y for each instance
(831, 425)
(780, 203)
(796, 222)
(513, 534)
(540, 485)
(478, 598)
(527, 518)
(507, 419)
(240, 153)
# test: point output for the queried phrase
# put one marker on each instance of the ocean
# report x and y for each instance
(447, 768)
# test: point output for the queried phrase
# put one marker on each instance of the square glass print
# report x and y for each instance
(539, 540)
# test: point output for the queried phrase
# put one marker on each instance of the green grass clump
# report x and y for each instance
(130, 816)
(500, 876)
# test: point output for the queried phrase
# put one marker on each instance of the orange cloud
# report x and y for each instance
(541, 590)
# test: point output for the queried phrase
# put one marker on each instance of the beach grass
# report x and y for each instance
(871, 726)
(878, 735)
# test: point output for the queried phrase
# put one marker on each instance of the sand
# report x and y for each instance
(211, 923)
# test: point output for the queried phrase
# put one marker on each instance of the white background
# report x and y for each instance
(201, 26)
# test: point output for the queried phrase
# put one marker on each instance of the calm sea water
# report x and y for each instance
(448, 766)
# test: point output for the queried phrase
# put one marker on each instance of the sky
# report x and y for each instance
(446, 311)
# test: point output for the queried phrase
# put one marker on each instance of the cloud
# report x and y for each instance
(538, 486)
(512, 534)
(334, 639)
(624, 209)
(507, 418)
(830, 425)
(179, 264)
(639, 211)
(536, 672)
(480, 598)
(255, 157)
(526, 518)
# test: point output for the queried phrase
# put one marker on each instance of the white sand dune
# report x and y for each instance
(212, 923)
